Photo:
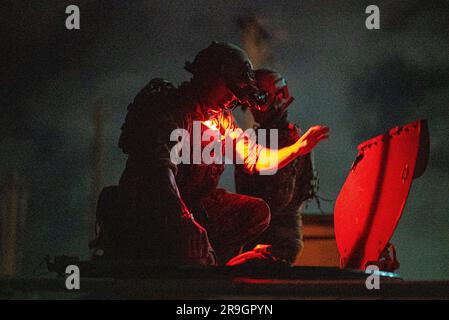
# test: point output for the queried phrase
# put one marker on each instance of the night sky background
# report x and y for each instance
(358, 82)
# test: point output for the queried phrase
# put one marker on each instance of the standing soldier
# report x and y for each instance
(288, 189)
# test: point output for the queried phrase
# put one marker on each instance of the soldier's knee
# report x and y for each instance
(262, 213)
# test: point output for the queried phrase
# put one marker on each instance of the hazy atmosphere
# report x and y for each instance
(358, 82)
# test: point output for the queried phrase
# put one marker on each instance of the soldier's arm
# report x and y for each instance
(195, 241)
(177, 206)
(196, 244)
(192, 237)
(257, 158)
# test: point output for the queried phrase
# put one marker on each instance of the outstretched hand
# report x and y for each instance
(310, 139)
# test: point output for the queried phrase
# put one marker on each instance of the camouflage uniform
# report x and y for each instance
(290, 186)
(138, 218)
(145, 216)
(230, 219)
(285, 192)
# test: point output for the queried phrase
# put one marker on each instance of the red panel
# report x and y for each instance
(373, 197)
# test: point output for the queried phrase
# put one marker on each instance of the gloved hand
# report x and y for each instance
(310, 139)
(388, 260)
(196, 244)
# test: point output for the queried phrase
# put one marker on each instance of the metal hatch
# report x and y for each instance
(371, 201)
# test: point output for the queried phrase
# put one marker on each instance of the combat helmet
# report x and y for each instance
(232, 64)
(278, 98)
